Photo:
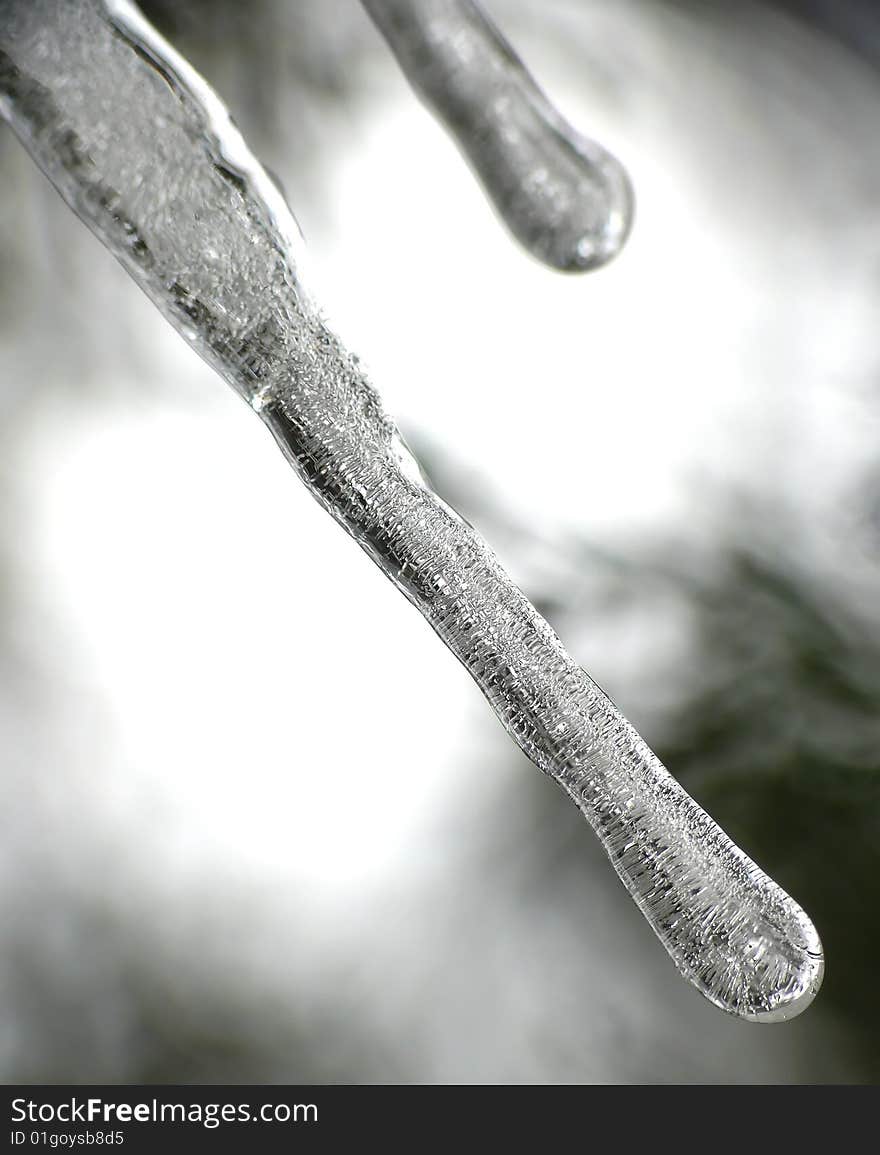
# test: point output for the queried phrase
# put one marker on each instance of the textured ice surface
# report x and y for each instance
(564, 197)
(141, 149)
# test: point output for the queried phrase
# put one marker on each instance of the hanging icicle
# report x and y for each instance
(141, 148)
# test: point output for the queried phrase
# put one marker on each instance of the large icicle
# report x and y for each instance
(139, 146)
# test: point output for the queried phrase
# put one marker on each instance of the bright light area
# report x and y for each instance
(264, 677)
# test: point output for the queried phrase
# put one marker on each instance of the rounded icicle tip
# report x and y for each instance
(791, 999)
(567, 200)
(768, 974)
(595, 222)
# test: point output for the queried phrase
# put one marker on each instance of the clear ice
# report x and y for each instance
(140, 147)
(564, 197)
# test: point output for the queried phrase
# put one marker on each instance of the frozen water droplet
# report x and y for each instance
(564, 197)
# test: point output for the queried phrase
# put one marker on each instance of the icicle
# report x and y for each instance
(567, 200)
(143, 151)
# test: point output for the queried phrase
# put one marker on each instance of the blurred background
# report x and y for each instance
(259, 825)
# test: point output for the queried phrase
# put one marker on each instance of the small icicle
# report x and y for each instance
(566, 199)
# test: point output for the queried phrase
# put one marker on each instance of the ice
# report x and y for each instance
(563, 196)
(143, 151)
